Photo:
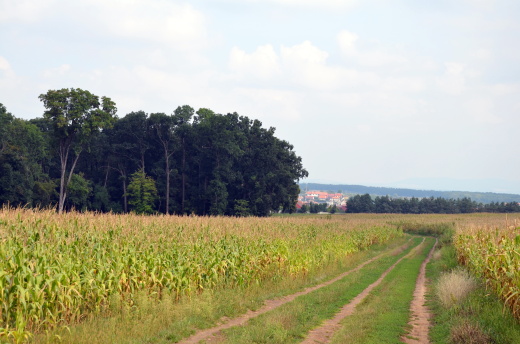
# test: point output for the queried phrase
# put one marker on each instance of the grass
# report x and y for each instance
(291, 322)
(383, 316)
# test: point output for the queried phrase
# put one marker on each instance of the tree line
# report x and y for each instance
(81, 155)
(479, 197)
(427, 205)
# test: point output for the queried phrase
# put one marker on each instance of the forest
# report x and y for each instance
(81, 155)
(427, 205)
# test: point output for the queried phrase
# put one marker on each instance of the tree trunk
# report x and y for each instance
(64, 156)
(125, 197)
(183, 175)
(106, 176)
(63, 160)
(167, 170)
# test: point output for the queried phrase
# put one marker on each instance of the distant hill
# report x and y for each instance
(480, 197)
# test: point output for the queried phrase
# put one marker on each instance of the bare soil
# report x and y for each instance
(212, 335)
(420, 318)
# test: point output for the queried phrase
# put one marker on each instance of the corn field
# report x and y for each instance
(493, 254)
(57, 270)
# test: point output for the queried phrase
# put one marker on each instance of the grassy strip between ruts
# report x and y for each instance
(171, 321)
(479, 318)
(383, 316)
(290, 323)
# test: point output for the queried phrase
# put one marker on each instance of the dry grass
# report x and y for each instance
(437, 254)
(453, 287)
(467, 333)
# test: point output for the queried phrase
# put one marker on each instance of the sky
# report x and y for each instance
(402, 93)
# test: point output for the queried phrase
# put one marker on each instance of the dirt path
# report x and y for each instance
(420, 319)
(212, 334)
(323, 333)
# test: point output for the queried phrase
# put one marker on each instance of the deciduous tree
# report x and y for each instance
(142, 193)
(75, 115)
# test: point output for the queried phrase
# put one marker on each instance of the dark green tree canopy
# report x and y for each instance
(23, 152)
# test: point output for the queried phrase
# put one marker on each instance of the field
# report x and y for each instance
(127, 278)
(493, 254)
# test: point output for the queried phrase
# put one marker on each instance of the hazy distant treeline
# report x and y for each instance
(428, 205)
(480, 197)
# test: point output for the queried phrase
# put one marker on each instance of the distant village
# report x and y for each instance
(321, 197)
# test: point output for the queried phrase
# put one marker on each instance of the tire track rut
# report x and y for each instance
(420, 318)
(324, 333)
(269, 305)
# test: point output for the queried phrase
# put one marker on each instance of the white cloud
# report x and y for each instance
(263, 63)
(482, 110)
(379, 58)
(302, 64)
(403, 84)
(156, 57)
(14, 89)
(4, 64)
(364, 128)
(155, 89)
(505, 89)
(320, 4)
(304, 54)
(24, 10)
(56, 72)
(347, 42)
(181, 26)
(306, 65)
(453, 80)
(485, 4)
(7, 73)
(344, 100)
(327, 4)
(482, 54)
(271, 103)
